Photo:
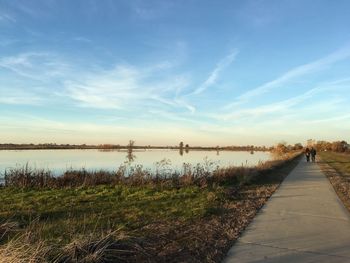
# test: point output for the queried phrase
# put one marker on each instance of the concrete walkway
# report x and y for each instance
(304, 221)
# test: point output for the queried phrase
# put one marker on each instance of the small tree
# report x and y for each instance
(298, 146)
(281, 148)
(310, 142)
(130, 156)
(339, 146)
(131, 144)
(181, 148)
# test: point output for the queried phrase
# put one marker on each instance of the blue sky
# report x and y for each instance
(159, 72)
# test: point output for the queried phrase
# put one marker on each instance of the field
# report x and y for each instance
(337, 168)
(66, 213)
(339, 161)
(192, 218)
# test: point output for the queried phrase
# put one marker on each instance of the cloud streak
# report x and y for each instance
(23, 99)
(7, 18)
(125, 87)
(39, 66)
(279, 107)
(292, 74)
(116, 88)
(214, 75)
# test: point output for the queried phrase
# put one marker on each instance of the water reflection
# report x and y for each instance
(60, 160)
(181, 151)
(130, 156)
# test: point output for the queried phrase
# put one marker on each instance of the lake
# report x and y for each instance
(59, 161)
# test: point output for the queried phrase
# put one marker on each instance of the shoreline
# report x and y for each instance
(182, 219)
(118, 149)
(133, 147)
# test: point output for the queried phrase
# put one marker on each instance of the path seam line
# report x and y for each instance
(292, 249)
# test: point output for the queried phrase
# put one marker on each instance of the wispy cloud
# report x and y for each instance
(7, 18)
(20, 99)
(105, 90)
(82, 39)
(280, 107)
(146, 11)
(171, 116)
(27, 8)
(7, 42)
(36, 75)
(124, 86)
(35, 65)
(293, 74)
(331, 119)
(115, 88)
(213, 76)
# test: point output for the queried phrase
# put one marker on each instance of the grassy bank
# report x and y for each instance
(192, 217)
(66, 213)
(339, 161)
(337, 168)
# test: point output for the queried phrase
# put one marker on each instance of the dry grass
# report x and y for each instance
(200, 175)
(336, 166)
(114, 247)
(7, 229)
(20, 250)
(197, 239)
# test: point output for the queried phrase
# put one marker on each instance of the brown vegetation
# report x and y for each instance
(336, 166)
(203, 239)
(110, 147)
(336, 146)
(201, 175)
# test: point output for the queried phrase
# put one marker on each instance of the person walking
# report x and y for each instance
(313, 154)
(307, 154)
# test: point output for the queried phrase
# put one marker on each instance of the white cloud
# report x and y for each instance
(335, 119)
(116, 88)
(213, 76)
(273, 108)
(154, 96)
(292, 74)
(105, 89)
(280, 107)
(146, 11)
(7, 42)
(7, 18)
(82, 39)
(126, 87)
(35, 65)
(23, 99)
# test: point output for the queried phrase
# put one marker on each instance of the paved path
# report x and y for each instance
(304, 221)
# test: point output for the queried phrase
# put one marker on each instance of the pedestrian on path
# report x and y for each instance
(313, 154)
(307, 154)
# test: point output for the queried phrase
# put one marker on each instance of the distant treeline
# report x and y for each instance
(336, 146)
(54, 146)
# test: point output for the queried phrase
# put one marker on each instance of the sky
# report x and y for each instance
(159, 72)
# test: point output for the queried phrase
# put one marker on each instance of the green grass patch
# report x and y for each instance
(60, 214)
(339, 161)
(184, 219)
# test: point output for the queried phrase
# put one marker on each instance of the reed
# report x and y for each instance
(29, 248)
(131, 215)
(201, 174)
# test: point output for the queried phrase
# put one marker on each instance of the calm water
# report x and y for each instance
(61, 160)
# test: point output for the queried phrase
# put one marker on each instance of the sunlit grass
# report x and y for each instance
(80, 216)
(339, 161)
(68, 212)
